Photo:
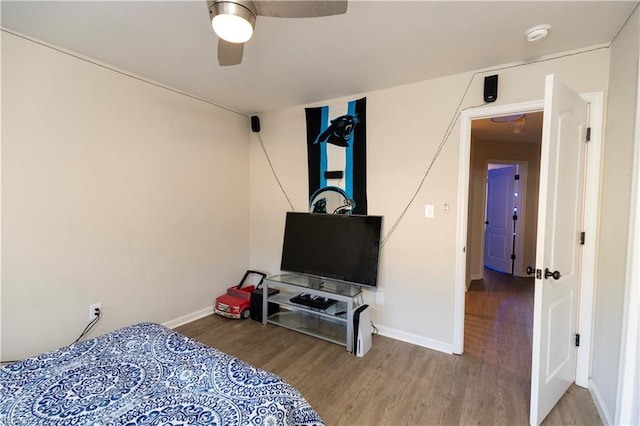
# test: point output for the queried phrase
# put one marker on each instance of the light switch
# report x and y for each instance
(428, 210)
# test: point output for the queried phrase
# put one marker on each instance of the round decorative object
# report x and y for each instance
(331, 199)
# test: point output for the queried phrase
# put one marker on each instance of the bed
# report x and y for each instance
(146, 374)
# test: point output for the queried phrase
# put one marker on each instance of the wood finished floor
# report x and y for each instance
(398, 383)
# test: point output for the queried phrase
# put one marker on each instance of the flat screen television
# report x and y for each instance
(340, 247)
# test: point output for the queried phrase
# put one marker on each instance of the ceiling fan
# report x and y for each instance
(233, 20)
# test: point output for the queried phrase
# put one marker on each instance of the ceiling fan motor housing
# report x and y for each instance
(244, 8)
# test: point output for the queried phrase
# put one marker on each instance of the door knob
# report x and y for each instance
(555, 274)
(529, 270)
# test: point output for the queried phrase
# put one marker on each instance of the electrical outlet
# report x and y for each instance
(92, 310)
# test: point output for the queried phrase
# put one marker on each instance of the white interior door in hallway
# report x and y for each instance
(499, 239)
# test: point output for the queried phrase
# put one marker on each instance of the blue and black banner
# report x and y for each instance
(337, 150)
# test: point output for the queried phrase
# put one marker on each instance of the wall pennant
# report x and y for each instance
(337, 157)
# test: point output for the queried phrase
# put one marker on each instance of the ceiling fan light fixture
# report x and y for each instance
(508, 118)
(233, 21)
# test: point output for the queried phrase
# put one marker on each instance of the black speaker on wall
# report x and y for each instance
(491, 88)
(255, 123)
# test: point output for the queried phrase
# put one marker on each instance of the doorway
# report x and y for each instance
(505, 245)
(501, 216)
(495, 143)
(504, 163)
(464, 263)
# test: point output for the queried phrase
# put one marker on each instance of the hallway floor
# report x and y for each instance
(498, 336)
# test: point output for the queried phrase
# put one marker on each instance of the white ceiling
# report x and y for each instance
(289, 62)
(528, 129)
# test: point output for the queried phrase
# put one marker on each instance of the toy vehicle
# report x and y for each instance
(237, 300)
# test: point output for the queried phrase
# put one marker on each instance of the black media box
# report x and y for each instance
(256, 304)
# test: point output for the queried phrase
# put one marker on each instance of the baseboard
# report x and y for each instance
(383, 331)
(475, 277)
(415, 339)
(185, 319)
(597, 400)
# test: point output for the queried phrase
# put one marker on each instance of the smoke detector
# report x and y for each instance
(538, 32)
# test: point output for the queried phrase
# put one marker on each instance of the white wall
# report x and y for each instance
(404, 127)
(614, 219)
(114, 191)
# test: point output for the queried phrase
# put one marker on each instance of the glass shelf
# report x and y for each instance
(310, 323)
(313, 283)
(283, 299)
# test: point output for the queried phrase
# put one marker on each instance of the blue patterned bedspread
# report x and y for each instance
(146, 374)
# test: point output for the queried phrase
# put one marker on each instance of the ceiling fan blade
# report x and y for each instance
(229, 53)
(300, 8)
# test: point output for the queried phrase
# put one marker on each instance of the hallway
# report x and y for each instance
(499, 319)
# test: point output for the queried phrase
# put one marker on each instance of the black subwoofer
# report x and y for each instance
(256, 304)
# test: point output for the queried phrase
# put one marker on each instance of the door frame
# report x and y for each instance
(592, 196)
(518, 267)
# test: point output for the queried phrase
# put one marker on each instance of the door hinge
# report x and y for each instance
(515, 217)
(516, 177)
(513, 257)
(582, 237)
(588, 134)
(577, 339)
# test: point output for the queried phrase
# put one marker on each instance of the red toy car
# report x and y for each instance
(236, 302)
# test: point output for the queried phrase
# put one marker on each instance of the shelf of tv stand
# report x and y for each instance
(324, 324)
(307, 323)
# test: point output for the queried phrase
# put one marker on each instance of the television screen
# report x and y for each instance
(340, 247)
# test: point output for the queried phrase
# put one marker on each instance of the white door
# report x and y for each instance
(560, 211)
(498, 235)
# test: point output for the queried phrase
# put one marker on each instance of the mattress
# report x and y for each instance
(146, 374)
